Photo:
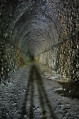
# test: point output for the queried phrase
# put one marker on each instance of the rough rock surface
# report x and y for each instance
(30, 29)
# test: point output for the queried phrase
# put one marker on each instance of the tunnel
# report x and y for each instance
(39, 59)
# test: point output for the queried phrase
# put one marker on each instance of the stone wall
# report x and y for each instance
(65, 57)
(8, 51)
(30, 29)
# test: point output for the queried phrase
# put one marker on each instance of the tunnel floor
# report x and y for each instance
(30, 95)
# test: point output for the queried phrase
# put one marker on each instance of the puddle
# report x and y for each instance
(69, 89)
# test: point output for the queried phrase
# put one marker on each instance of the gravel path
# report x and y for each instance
(31, 96)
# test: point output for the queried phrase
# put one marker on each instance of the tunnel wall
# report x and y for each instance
(32, 28)
(7, 60)
(69, 51)
(10, 56)
(65, 57)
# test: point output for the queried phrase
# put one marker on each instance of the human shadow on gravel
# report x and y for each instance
(43, 98)
(30, 87)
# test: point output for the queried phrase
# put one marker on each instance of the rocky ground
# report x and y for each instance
(29, 94)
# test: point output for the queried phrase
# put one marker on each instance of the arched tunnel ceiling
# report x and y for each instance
(33, 27)
(36, 25)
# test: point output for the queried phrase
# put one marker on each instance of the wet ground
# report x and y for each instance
(30, 95)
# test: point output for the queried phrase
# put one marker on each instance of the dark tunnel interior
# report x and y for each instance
(44, 32)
